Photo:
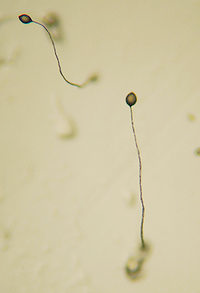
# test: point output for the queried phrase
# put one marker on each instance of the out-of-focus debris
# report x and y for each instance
(197, 151)
(191, 117)
(64, 125)
(52, 21)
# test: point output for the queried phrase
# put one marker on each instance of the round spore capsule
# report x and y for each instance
(131, 99)
(24, 18)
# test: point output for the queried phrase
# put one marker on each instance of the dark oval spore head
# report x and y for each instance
(24, 18)
(131, 99)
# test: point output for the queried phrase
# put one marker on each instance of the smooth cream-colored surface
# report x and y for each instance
(69, 207)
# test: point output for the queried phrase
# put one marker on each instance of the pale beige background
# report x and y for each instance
(66, 222)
